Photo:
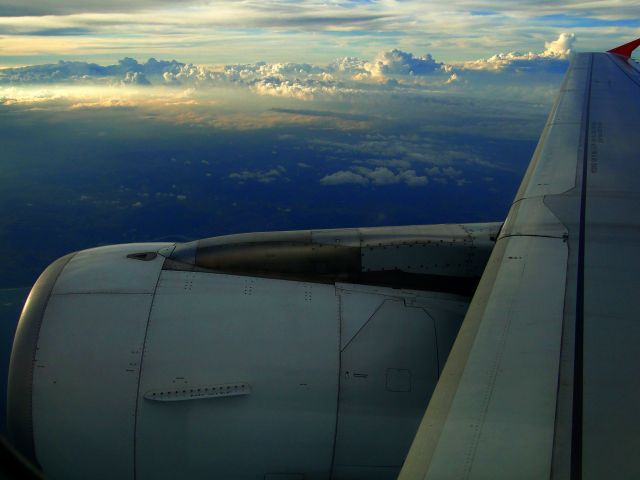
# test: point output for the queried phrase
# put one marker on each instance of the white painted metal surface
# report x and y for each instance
(356, 308)
(504, 408)
(611, 281)
(389, 367)
(85, 384)
(280, 337)
(108, 270)
(87, 363)
(142, 372)
(388, 372)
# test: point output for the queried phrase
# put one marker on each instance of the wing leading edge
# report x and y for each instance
(540, 381)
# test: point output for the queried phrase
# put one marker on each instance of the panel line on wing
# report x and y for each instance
(138, 394)
(576, 443)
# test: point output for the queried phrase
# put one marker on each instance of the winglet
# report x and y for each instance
(626, 49)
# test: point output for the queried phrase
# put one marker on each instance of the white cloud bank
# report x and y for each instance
(389, 70)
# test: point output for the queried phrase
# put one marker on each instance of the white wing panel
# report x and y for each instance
(611, 385)
(508, 388)
(493, 413)
(542, 380)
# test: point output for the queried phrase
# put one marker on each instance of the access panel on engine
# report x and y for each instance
(388, 370)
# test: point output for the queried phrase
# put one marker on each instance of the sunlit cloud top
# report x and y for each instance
(213, 32)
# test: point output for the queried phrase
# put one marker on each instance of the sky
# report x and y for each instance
(369, 95)
(387, 99)
(313, 31)
(388, 104)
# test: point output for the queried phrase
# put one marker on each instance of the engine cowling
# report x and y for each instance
(227, 358)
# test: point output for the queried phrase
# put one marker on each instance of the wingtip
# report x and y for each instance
(627, 49)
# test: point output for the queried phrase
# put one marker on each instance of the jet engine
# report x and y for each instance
(281, 355)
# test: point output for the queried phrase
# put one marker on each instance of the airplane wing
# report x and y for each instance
(542, 380)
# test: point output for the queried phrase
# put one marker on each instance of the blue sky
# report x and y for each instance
(244, 31)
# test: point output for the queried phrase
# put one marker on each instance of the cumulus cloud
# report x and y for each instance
(561, 47)
(342, 177)
(257, 175)
(135, 78)
(300, 89)
(397, 62)
(351, 66)
(387, 65)
(555, 57)
(377, 176)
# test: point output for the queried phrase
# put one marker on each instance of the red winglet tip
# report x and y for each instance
(627, 49)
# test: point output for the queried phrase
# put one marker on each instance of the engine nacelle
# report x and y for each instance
(250, 356)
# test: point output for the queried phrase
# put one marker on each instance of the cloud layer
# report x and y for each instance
(217, 31)
(393, 69)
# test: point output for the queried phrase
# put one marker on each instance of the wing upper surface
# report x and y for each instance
(540, 382)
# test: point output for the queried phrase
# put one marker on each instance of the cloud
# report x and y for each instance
(451, 172)
(391, 70)
(304, 31)
(128, 70)
(343, 177)
(385, 176)
(303, 90)
(554, 58)
(112, 95)
(397, 62)
(65, 7)
(412, 179)
(257, 175)
(378, 176)
(560, 47)
(135, 78)
(387, 65)
(348, 65)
